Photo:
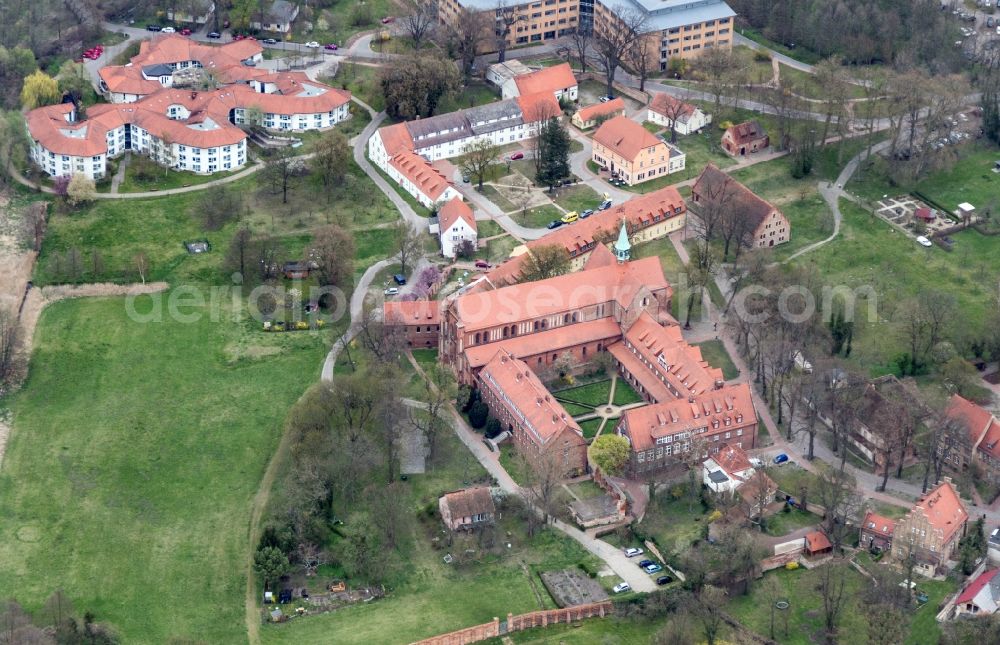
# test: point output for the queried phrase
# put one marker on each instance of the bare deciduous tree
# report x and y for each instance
(420, 21)
(615, 39)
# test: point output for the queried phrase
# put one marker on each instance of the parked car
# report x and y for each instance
(554, 224)
(312, 44)
(644, 563)
(388, 20)
(605, 99)
(652, 568)
(482, 264)
(465, 178)
(622, 587)
(214, 34)
(168, 30)
(605, 205)
(632, 551)
(923, 241)
(516, 156)
(570, 217)
(331, 46)
(664, 580)
(587, 213)
(391, 291)
(400, 279)
(185, 32)
(780, 458)
(270, 41)
(153, 28)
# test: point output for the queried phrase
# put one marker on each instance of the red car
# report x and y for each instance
(185, 32)
(332, 47)
(387, 20)
(516, 156)
(482, 264)
(239, 37)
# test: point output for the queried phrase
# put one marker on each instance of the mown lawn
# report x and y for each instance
(164, 179)
(578, 198)
(715, 353)
(674, 523)
(782, 523)
(591, 394)
(538, 217)
(590, 427)
(624, 394)
(136, 451)
(971, 180)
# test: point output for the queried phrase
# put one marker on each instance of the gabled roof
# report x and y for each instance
(396, 139)
(620, 282)
(732, 459)
(943, 509)
(545, 417)
(976, 419)
(817, 541)
(421, 173)
(540, 342)
(591, 112)
(538, 106)
(282, 11)
(670, 358)
(548, 79)
(875, 523)
(626, 137)
(469, 501)
(671, 107)
(983, 592)
(675, 417)
(745, 132)
(715, 183)
(452, 211)
(412, 312)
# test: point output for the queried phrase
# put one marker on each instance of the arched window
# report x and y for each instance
(576, 316)
(477, 339)
(536, 325)
(506, 330)
(513, 330)
(584, 351)
(565, 319)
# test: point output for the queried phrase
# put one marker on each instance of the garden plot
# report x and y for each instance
(570, 587)
(900, 210)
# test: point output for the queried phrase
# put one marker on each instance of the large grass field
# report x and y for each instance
(869, 253)
(136, 451)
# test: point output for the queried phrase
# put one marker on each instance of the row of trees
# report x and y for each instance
(56, 624)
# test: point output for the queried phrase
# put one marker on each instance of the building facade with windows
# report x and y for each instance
(929, 533)
(765, 225)
(534, 22)
(632, 153)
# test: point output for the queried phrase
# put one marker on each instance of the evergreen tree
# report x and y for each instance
(552, 163)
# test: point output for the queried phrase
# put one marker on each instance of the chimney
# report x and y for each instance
(719, 384)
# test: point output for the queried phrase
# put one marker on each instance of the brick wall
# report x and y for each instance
(520, 622)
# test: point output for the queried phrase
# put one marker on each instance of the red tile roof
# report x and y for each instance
(991, 441)
(733, 402)
(412, 312)
(452, 211)
(977, 585)
(944, 509)
(672, 359)
(714, 182)
(977, 420)
(469, 501)
(732, 459)
(875, 523)
(626, 137)
(751, 489)
(538, 107)
(424, 176)
(591, 112)
(396, 139)
(515, 303)
(817, 541)
(542, 341)
(545, 416)
(549, 79)
(745, 132)
(671, 107)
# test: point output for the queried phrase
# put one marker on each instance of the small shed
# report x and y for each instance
(296, 270)
(965, 209)
(817, 543)
(925, 214)
(277, 616)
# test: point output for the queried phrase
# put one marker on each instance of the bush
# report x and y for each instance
(589, 569)
(493, 427)
(478, 414)
(761, 56)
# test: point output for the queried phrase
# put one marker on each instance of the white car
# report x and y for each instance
(391, 291)
(167, 30)
(923, 241)
(312, 44)
(632, 551)
(622, 587)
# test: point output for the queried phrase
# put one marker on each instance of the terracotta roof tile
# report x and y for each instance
(538, 107)
(876, 523)
(549, 79)
(673, 359)
(670, 106)
(469, 501)
(453, 210)
(412, 312)
(626, 137)
(976, 419)
(714, 182)
(540, 342)
(545, 416)
(746, 132)
(591, 112)
(732, 459)
(969, 593)
(424, 176)
(944, 509)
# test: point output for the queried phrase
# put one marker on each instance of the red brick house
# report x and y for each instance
(982, 438)
(931, 530)
(876, 532)
(745, 138)
(526, 409)
(766, 225)
(420, 320)
(468, 508)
